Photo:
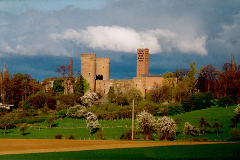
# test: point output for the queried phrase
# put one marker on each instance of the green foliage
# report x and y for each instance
(57, 86)
(234, 134)
(128, 135)
(204, 124)
(111, 94)
(69, 99)
(50, 121)
(225, 101)
(40, 100)
(175, 108)
(134, 94)
(191, 79)
(23, 128)
(217, 126)
(80, 87)
(6, 123)
(60, 107)
(197, 101)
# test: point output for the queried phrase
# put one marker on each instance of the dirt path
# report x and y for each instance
(19, 146)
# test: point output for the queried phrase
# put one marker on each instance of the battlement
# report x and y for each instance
(88, 56)
(106, 60)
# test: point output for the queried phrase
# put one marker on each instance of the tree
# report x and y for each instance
(81, 86)
(167, 127)
(63, 70)
(77, 111)
(134, 94)
(6, 123)
(228, 84)
(89, 99)
(92, 122)
(191, 79)
(203, 124)
(57, 86)
(236, 118)
(189, 129)
(146, 124)
(217, 126)
(50, 120)
(23, 128)
(111, 94)
(207, 79)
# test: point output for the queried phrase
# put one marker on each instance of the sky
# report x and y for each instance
(37, 36)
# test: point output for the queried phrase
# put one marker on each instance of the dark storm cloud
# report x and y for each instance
(177, 32)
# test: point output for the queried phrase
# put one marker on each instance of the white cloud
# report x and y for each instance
(116, 38)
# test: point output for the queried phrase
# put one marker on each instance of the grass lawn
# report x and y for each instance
(209, 151)
(114, 129)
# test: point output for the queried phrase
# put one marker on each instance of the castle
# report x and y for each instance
(99, 80)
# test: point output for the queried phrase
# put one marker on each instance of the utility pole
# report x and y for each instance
(133, 120)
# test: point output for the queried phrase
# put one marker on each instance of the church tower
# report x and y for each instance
(142, 61)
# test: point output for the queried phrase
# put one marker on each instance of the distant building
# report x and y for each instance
(96, 72)
(7, 106)
(144, 82)
(142, 61)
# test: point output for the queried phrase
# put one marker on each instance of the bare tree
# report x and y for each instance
(63, 70)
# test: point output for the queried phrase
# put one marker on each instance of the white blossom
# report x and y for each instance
(146, 124)
(92, 122)
(189, 129)
(77, 111)
(89, 99)
(167, 126)
(237, 110)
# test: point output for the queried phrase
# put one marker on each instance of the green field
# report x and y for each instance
(209, 151)
(114, 129)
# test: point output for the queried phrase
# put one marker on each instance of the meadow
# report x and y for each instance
(114, 129)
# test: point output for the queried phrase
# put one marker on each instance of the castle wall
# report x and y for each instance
(103, 67)
(104, 85)
(88, 69)
(140, 83)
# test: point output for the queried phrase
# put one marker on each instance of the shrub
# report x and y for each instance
(234, 135)
(23, 128)
(58, 136)
(71, 137)
(68, 99)
(127, 135)
(225, 101)
(31, 120)
(60, 107)
(175, 109)
(100, 134)
(62, 113)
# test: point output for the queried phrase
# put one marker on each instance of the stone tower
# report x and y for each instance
(88, 69)
(102, 71)
(142, 61)
(71, 68)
